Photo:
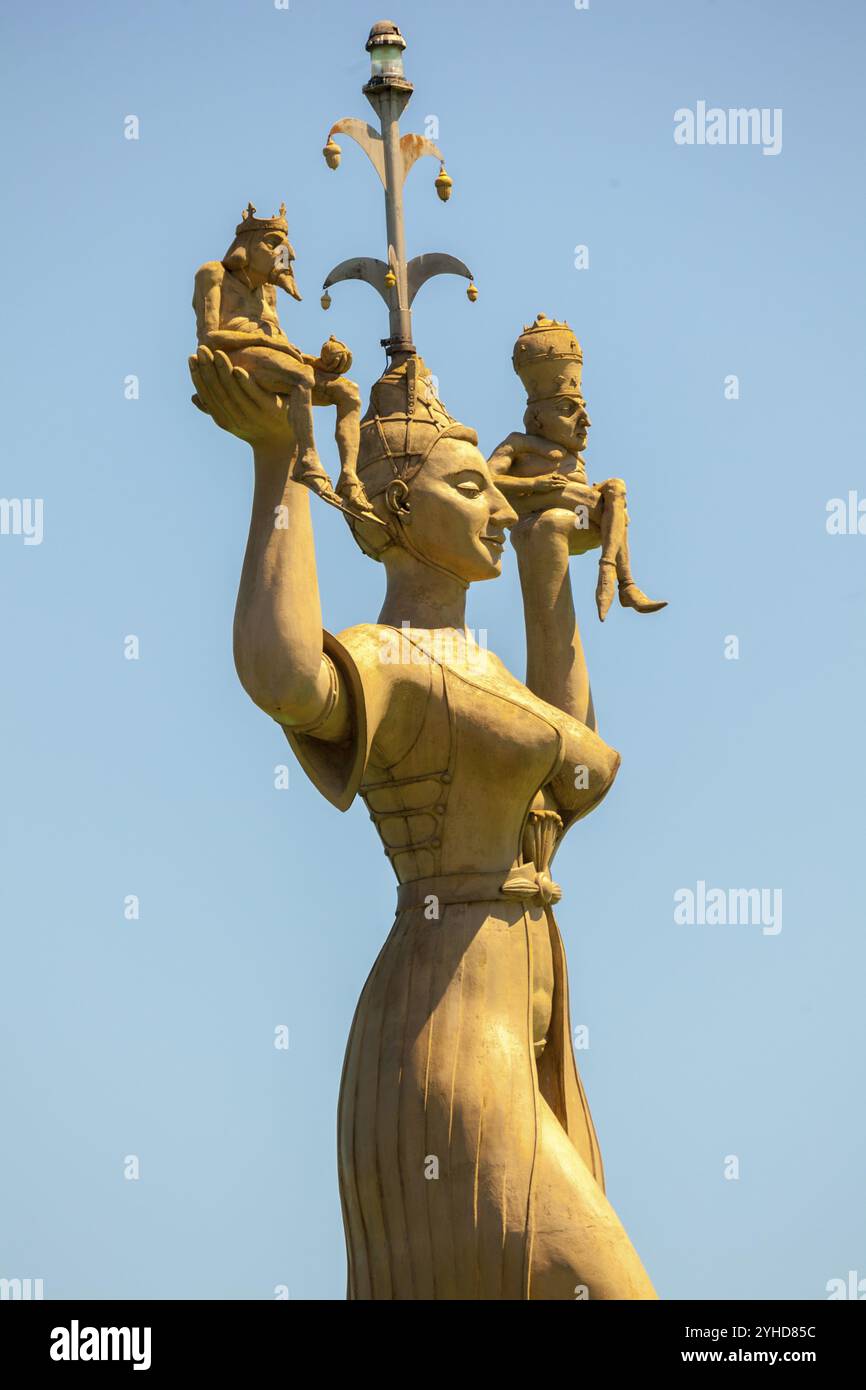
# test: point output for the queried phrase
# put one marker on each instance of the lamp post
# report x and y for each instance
(392, 156)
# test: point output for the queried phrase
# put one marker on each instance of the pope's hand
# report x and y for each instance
(236, 403)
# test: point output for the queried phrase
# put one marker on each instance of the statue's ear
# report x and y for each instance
(397, 498)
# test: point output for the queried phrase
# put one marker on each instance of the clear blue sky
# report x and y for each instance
(156, 777)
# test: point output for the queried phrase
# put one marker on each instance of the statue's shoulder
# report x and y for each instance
(210, 274)
(360, 638)
(386, 655)
(365, 642)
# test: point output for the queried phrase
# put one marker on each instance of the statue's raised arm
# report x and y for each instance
(278, 622)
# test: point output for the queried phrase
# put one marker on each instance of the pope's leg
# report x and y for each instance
(615, 563)
(630, 596)
(612, 538)
(580, 1247)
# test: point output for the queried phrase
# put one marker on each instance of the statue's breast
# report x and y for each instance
(458, 799)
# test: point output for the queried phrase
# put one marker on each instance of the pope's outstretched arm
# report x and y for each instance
(278, 620)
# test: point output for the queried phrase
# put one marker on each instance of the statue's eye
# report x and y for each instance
(469, 489)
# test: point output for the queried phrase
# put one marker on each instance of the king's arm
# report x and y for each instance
(206, 301)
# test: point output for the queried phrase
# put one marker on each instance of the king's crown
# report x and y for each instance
(250, 223)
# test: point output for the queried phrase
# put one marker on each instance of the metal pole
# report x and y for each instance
(400, 315)
(389, 92)
(389, 99)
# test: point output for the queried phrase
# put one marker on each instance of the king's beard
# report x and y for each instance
(284, 280)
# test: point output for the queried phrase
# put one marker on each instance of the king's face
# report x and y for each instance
(269, 261)
(265, 252)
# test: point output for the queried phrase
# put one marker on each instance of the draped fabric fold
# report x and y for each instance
(438, 1110)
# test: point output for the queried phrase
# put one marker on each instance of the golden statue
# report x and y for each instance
(469, 1166)
(545, 465)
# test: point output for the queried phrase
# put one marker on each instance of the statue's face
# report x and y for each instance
(458, 517)
(564, 421)
(269, 261)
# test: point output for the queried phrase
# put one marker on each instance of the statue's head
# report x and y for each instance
(427, 481)
(262, 252)
(549, 361)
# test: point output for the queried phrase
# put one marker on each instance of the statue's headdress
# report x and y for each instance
(548, 359)
(405, 420)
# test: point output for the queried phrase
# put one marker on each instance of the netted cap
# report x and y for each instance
(548, 359)
(404, 422)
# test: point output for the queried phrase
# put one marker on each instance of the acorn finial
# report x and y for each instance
(472, 293)
(325, 301)
(332, 153)
(444, 184)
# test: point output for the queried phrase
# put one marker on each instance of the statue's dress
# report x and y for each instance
(469, 1165)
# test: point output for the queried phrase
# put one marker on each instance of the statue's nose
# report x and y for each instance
(501, 511)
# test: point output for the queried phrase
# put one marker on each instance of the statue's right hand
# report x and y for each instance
(235, 403)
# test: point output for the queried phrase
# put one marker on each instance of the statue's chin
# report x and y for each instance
(479, 568)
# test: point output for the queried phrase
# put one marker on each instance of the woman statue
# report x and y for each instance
(469, 1166)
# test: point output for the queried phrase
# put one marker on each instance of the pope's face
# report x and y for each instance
(269, 261)
(457, 516)
(564, 421)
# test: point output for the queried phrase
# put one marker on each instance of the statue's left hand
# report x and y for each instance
(236, 403)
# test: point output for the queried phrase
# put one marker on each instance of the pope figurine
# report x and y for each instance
(544, 467)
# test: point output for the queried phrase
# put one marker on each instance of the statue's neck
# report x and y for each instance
(422, 596)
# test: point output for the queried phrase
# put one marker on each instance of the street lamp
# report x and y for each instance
(385, 47)
(392, 156)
